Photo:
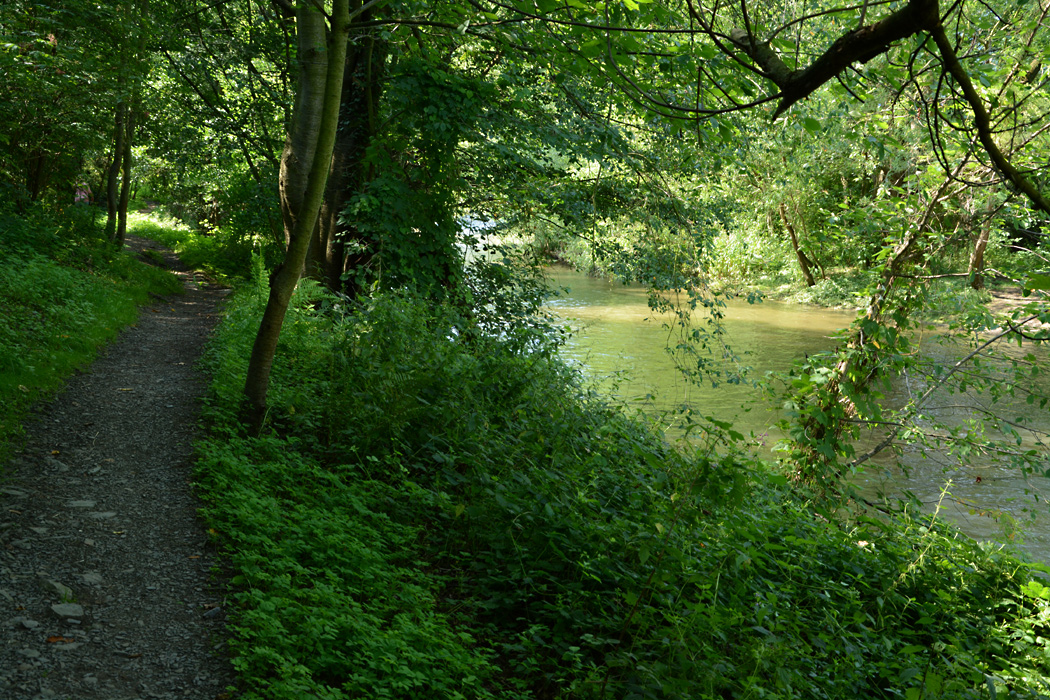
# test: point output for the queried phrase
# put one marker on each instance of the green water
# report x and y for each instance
(622, 345)
(618, 338)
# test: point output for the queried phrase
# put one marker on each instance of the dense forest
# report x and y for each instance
(415, 496)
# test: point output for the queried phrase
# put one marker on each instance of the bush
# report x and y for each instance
(445, 514)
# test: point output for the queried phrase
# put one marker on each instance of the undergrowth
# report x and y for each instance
(64, 292)
(226, 255)
(440, 514)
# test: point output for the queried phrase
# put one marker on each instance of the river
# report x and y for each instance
(617, 347)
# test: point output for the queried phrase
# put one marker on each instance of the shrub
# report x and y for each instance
(444, 514)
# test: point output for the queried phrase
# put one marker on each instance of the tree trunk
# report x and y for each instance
(803, 260)
(305, 163)
(125, 183)
(362, 87)
(976, 267)
(37, 174)
(141, 72)
(297, 158)
(112, 197)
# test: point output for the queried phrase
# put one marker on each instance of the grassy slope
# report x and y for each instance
(63, 294)
(442, 519)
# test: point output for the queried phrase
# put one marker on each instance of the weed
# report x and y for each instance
(450, 515)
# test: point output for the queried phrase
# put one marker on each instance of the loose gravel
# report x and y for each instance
(106, 583)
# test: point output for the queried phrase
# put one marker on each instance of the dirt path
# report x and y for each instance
(105, 586)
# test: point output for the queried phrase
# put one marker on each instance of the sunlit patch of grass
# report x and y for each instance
(61, 297)
(221, 254)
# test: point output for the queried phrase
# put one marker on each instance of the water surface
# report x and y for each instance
(623, 344)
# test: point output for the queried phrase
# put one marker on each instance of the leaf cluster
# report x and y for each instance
(443, 514)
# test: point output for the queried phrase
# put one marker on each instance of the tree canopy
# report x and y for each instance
(894, 137)
(408, 477)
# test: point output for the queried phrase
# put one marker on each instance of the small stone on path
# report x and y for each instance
(62, 591)
(81, 504)
(68, 610)
(68, 647)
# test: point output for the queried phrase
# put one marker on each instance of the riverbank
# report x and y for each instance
(430, 517)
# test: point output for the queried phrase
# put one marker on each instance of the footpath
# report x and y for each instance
(106, 583)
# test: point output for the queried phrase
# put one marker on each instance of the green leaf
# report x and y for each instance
(811, 124)
(592, 48)
(1038, 282)
(990, 682)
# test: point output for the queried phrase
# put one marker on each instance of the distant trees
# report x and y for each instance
(55, 93)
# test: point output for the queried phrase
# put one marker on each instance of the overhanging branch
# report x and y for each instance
(859, 45)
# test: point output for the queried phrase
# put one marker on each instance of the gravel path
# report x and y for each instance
(105, 570)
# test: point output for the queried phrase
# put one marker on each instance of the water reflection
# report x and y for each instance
(621, 340)
(619, 336)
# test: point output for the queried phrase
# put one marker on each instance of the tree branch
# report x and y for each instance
(862, 44)
(982, 122)
(914, 408)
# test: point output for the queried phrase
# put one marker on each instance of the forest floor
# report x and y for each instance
(106, 583)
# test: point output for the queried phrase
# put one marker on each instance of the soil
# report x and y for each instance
(1007, 299)
(106, 573)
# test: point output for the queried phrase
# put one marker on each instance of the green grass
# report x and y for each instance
(225, 256)
(431, 516)
(63, 293)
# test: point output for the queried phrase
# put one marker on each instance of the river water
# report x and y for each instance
(622, 345)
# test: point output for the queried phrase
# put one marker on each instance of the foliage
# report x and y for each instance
(64, 292)
(54, 94)
(439, 515)
(220, 252)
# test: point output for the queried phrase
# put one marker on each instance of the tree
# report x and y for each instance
(305, 164)
(970, 70)
(55, 90)
(133, 71)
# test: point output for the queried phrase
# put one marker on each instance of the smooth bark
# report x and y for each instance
(305, 164)
(362, 88)
(300, 146)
